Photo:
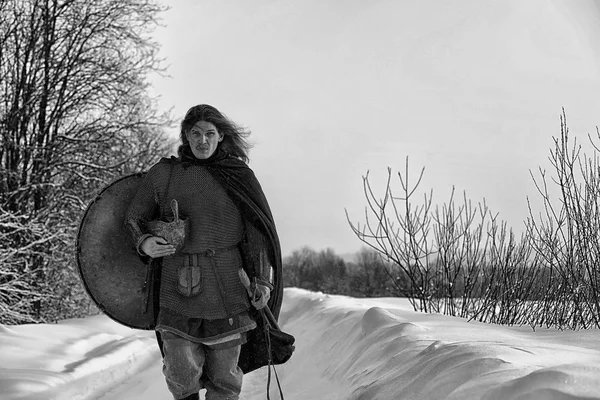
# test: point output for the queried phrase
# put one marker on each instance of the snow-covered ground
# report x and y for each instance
(347, 348)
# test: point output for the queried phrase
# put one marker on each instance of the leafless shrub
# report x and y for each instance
(566, 235)
(461, 260)
(399, 231)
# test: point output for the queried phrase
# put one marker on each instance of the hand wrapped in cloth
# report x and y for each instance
(262, 294)
(259, 290)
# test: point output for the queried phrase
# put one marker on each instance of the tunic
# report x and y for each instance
(216, 227)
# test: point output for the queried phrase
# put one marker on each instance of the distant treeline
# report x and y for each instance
(367, 276)
(494, 290)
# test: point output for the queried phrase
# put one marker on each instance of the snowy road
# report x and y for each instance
(347, 349)
(148, 384)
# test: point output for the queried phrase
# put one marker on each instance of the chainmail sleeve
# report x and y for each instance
(145, 206)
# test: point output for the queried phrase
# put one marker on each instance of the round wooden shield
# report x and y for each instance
(113, 273)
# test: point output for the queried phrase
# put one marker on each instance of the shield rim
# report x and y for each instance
(100, 306)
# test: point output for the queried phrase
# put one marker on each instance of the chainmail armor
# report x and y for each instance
(214, 223)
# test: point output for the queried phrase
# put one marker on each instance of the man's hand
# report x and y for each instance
(156, 247)
(262, 294)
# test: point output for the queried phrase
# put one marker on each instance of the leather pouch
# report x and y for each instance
(189, 278)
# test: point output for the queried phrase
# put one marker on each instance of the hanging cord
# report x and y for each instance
(210, 253)
(268, 337)
(246, 282)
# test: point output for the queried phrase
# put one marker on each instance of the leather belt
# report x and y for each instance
(209, 253)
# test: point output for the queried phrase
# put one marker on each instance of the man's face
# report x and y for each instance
(204, 139)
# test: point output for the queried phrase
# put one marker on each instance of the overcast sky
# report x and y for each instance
(472, 90)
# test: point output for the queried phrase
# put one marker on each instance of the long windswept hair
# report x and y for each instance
(234, 137)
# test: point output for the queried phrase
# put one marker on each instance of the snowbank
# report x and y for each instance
(347, 348)
(364, 349)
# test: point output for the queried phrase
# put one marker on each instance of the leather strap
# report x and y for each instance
(149, 281)
(268, 337)
(210, 253)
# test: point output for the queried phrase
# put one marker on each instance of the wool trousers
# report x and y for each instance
(184, 363)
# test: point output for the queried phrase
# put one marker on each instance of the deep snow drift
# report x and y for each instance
(347, 348)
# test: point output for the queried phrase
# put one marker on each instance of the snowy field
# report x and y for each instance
(347, 348)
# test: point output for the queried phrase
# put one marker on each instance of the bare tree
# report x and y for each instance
(74, 115)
